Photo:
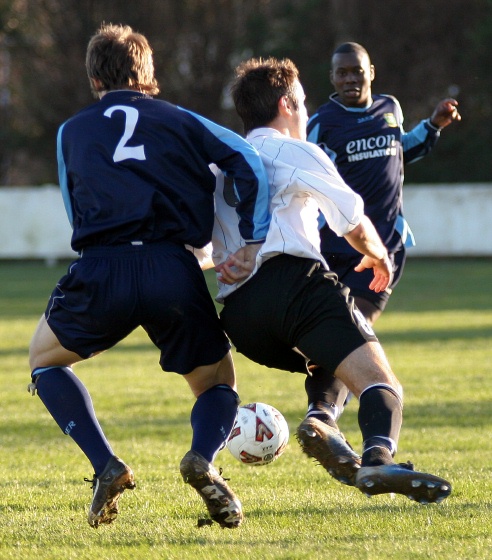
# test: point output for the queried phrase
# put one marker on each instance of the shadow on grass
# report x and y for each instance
(428, 415)
(127, 347)
(387, 336)
(434, 335)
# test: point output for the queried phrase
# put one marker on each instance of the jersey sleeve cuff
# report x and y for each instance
(254, 241)
(431, 127)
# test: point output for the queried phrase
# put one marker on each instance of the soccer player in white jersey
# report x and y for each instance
(292, 313)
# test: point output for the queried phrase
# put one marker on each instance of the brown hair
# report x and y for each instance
(121, 59)
(258, 86)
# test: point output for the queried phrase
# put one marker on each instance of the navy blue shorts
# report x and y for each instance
(110, 291)
(343, 265)
(290, 303)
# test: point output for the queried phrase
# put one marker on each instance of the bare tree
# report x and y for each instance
(422, 51)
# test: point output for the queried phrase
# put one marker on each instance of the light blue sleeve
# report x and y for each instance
(419, 141)
(313, 135)
(62, 176)
(261, 213)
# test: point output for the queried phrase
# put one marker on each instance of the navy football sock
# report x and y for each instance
(326, 395)
(70, 404)
(380, 418)
(212, 419)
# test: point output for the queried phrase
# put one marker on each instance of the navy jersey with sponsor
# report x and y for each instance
(369, 148)
(134, 168)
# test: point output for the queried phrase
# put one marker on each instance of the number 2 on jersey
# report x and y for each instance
(123, 151)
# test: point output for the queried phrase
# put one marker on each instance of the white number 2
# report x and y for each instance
(122, 151)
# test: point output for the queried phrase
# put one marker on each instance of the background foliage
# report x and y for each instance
(423, 51)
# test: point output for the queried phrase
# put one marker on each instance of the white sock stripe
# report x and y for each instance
(39, 370)
(384, 386)
(393, 447)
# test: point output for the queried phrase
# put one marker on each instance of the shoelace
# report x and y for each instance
(91, 480)
(408, 465)
(221, 470)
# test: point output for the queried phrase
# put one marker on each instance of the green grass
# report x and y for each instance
(437, 333)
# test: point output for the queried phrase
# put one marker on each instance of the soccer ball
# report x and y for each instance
(260, 434)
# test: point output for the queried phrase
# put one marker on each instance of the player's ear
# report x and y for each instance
(331, 77)
(284, 105)
(372, 72)
(96, 84)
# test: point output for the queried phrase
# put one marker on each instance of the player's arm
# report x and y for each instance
(63, 177)
(365, 239)
(313, 128)
(419, 141)
(343, 210)
(239, 265)
(445, 113)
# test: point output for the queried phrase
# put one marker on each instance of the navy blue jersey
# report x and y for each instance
(369, 148)
(134, 168)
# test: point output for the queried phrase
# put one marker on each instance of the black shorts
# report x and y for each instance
(343, 265)
(110, 291)
(293, 304)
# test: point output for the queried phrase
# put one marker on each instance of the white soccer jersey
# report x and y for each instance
(303, 181)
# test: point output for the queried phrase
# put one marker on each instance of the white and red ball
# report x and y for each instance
(260, 434)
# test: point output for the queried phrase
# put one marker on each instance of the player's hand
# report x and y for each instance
(445, 113)
(239, 265)
(383, 272)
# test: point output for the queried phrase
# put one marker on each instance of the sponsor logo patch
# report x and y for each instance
(390, 120)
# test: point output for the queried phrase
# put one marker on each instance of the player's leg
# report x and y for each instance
(368, 375)
(369, 303)
(328, 329)
(319, 435)
(65, 396)
(257, 320)
(69, 403)
(341, 341)
(212, 419)
(326, 395)
(216, 406)
(344, 344)
(184, 324)
(79, 323)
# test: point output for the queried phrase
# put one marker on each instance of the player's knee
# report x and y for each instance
(226, 374)
(34, 361)
(203, 378)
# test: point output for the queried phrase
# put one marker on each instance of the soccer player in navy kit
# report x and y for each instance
(135, 179)
(363, 135)
(292, 312)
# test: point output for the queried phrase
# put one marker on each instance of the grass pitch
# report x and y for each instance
(437, 332)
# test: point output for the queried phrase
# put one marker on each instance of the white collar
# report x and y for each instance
(264, 131)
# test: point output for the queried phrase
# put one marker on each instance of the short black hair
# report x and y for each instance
(351, 47)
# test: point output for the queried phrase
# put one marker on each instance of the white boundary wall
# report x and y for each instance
(447, 220)
(450, 220)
